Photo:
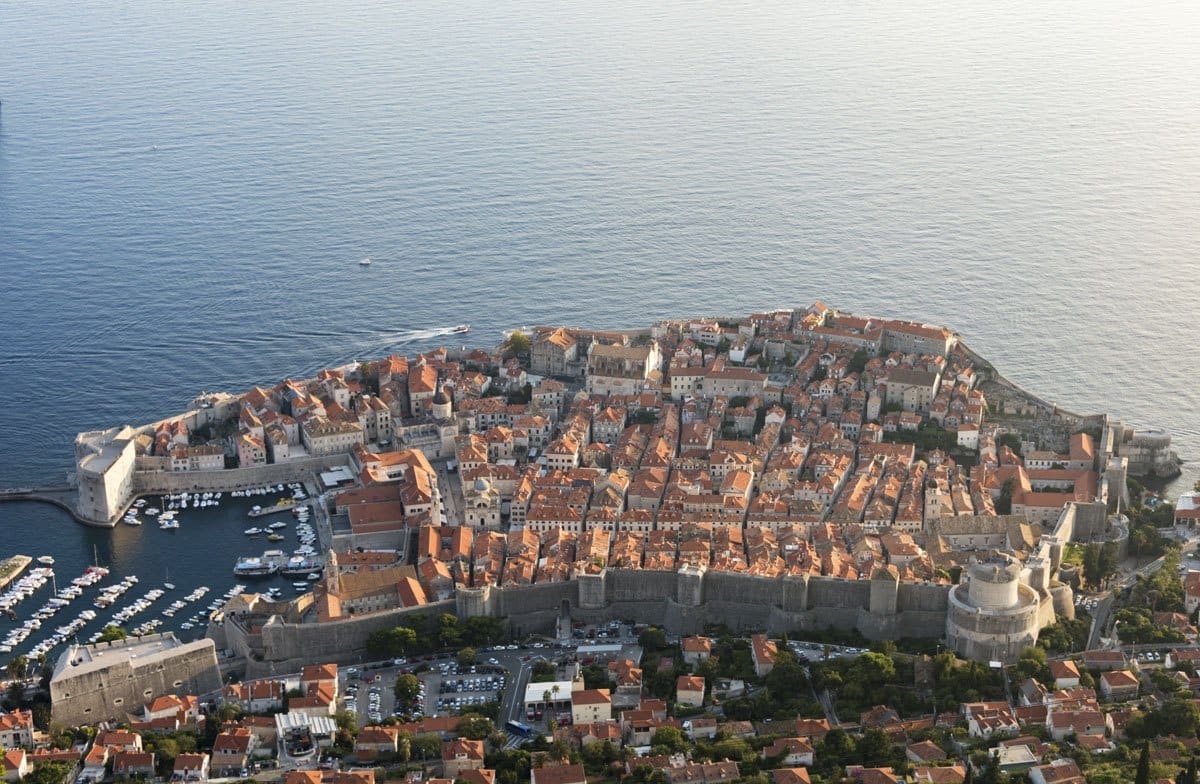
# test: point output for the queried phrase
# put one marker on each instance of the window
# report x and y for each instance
(119, 701)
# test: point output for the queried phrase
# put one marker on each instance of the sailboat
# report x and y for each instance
(170, 586)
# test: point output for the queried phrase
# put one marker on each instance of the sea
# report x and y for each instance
(186, 190)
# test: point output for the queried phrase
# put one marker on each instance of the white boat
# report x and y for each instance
(460, 329)
(46, 560)
(132, 521)
(252, 531)
(364, 263)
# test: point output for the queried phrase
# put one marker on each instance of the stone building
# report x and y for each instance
(324, 436)
(623, 370)
(554, 354)
(914, 390)
(481, 504)
(993, 616)
(105, 681)
(104, 463)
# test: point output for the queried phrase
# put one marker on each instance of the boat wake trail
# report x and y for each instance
(413, 336)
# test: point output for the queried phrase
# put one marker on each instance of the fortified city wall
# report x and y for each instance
(683, 602)
(234, 478)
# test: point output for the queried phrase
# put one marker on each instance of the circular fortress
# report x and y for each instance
(993, 615)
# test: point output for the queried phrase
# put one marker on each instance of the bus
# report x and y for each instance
(517, 728)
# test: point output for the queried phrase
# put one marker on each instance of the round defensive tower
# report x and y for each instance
(993, 615)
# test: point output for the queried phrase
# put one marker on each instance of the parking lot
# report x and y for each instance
(817, 651)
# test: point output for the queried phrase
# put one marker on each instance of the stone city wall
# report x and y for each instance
(145, 482)
(341, 641)
(740, 601)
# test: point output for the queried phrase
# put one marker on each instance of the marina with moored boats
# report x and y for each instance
(39, 612)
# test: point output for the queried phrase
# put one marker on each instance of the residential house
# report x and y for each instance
(16, 765)
(1066, 674)
(1119, 685)
(704, 773)
(591, 705)
(231, 751)
(762, 651)
(558, 774)
(1060, 771)
(461, 754)
(790, 776)
(790, 751)
(16, 729)
(190, 767)
(924, 752)
(133, 764)
(696, 649)
(689, 690)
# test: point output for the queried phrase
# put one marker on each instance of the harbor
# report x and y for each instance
(145, 577)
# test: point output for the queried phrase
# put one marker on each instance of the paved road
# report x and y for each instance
(450, 486)
(1104, 608)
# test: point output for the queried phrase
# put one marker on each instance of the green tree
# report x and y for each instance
(1010, 440)
(407, 688)
(49, 773)
(873, 669)
(1091, 565)
(1143, 767)
(483, 630)
(111, 633)
(732, 748)
(787, 677)
(476, 727)
(1031, 663)
(18, 667)
(1108, 560)
(466, 657)
(837, 746)
(517, 343)
(653, 639)
(1004, 502)
(396, 641)
(543, 671)
(448, 633)
(667, 740)
(874, 748)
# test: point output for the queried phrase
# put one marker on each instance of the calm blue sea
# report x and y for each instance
(186, 189)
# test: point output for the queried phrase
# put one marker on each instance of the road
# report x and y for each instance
(1104, 608)
(450, 487)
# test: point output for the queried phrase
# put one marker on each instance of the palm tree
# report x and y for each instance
(18, 667)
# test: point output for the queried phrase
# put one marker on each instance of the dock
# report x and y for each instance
(11, 568)
(276, 509)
